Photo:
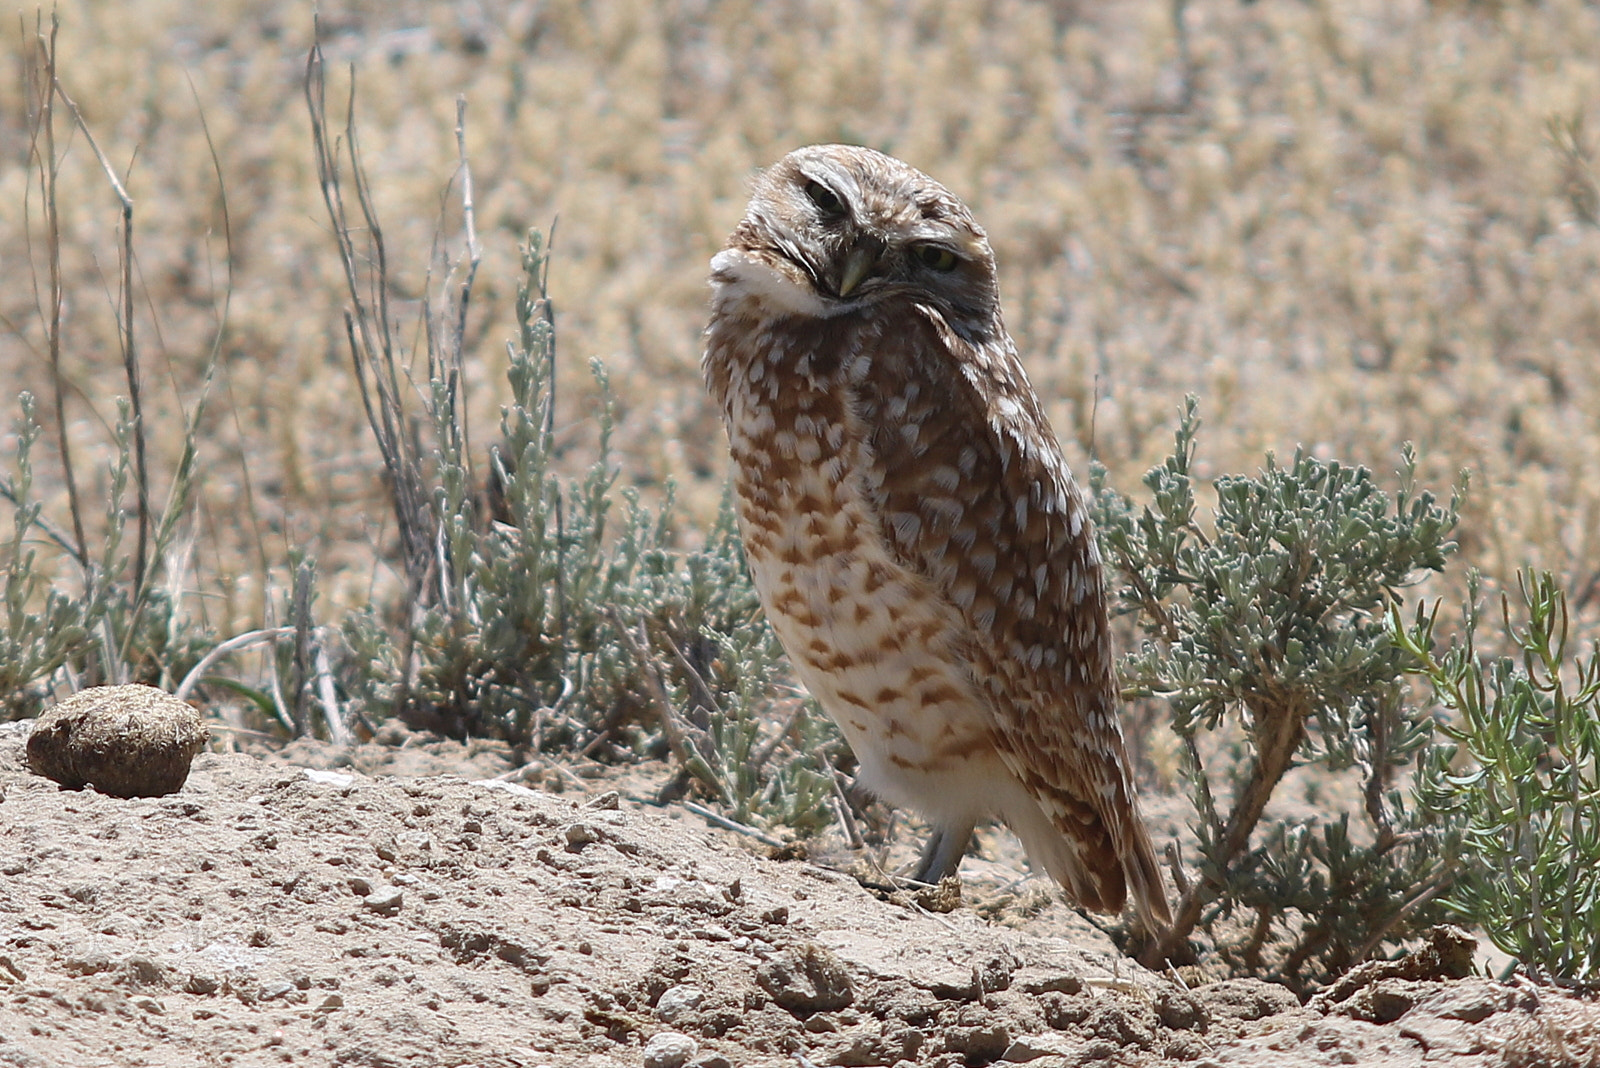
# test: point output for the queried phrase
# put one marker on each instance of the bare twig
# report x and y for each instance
(246, 731)
(759, 758)
(62, 538)
(446, 343)
(49, 168)
(367, 326)
(1279, 731)
(469, 220)
(717, 818)
(232, 645)
(595, 743)
(677, 737)
(1259, 931)
(130, 351)
(234, 408)
(1429, 890)
(300, 620)
(704, 699)
(332, 712)
(1180, 878)
(841, 804)
(280, 707)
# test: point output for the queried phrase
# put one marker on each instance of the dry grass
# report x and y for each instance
(1343, 224)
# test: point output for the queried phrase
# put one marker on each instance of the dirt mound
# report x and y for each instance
(275, 913)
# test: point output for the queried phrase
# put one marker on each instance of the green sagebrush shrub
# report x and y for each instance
(556, 613)
(561, 616)
(81, 613)
(1263, 628)
(1521, 777)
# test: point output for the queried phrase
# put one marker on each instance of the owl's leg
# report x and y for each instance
(942, 855)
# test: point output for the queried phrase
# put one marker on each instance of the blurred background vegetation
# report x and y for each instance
(1343, 225)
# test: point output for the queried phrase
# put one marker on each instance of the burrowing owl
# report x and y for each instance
(916, 537)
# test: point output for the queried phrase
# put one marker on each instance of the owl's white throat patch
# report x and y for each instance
(736, 276)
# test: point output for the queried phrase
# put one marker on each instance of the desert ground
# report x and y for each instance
(412, 902)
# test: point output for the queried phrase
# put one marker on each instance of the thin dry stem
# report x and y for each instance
(368, 329)
(1279, 731)
(49, 170)
(197, 673)
(130, 351)
(717, 818)
(300, 620)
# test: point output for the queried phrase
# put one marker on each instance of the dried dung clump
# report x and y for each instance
(127, 741)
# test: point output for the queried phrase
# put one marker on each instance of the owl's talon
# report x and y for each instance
(941, 856)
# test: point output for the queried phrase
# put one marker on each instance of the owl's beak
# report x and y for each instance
(858, 263)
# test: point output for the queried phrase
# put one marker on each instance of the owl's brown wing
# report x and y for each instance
(975, 496)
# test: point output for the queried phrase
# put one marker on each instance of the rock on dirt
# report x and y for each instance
(127, 741)
(279, 914)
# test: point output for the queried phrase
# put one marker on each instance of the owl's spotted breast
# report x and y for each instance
(914, 533)
(872, 640)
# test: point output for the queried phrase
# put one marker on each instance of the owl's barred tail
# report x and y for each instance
(1144, 880)
(1096, 871)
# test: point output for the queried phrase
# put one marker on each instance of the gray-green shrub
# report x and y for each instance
(1264, 631)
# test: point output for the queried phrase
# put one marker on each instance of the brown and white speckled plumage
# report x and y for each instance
(916, 537)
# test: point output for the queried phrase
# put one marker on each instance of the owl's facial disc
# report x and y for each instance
(841, 250)
(862, 237)
(839, 230)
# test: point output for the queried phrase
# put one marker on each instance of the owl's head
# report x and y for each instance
(838, 229)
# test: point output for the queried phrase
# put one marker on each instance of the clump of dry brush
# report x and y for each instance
(91, 596)
(556, 613)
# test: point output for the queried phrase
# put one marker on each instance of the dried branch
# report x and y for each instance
(49, 169)
(368, 326)
(130, 351)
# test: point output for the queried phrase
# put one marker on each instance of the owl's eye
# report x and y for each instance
(937, 258)
(824, 199)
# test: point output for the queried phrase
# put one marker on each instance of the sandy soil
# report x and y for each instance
(402, 906)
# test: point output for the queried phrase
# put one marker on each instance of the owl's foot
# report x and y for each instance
(942, 855)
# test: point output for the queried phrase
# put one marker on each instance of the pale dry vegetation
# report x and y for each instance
(1341, 224)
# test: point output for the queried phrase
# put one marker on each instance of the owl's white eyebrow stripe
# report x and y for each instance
(829, 181)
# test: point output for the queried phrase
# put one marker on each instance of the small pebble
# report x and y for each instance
(385, 902)
(678, 1000)
(277, 988)
(328, 778)
(201, 983)
(669, 1049)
